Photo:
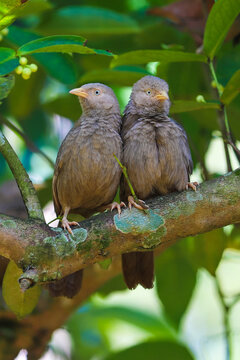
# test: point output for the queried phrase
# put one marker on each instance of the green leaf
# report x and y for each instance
(219, 21)
(153, 350)
(86, 21)
(8, 10)
(60, 66)
(6, 85)
(143, 319)
(21, 303)
(8, 6)
(8, 60)
(33, 7)
(146, 56)
(59, 43)
(180, 106)
(8, 66)
(232, 89)
(6, 54)
(123, 76)
(176, 280)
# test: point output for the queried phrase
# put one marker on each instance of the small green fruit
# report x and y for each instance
(200, 99)
(213, 84)
(221, 88)
(23, 60)
(25, 76)
(33, 67)
(26, 73)
(19, 70)
(5, 31)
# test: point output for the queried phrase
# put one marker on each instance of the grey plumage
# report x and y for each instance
(86, 175)
(157, 157)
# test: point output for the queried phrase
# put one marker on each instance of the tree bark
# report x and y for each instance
(53, 253)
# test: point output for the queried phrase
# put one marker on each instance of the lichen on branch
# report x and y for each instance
(54, 253)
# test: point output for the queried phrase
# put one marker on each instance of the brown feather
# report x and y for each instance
(158, 161)
(86, 175)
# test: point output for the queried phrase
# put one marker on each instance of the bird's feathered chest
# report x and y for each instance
(154, 142)
(156, 154)
(89, 142)
(86, 173)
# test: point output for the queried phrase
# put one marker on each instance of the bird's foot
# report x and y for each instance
(139, 204)
(118, 206)
(192, 185)
(66, 225)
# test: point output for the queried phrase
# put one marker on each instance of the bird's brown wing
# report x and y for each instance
(56, 202)
(183, 145)
(137, 267)
(187, 158)
(128, 121)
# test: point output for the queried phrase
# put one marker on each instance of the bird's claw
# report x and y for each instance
(192, 185)
(66, 225)
(118, 206)
(140, 205)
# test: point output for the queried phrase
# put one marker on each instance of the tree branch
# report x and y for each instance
(54, 253)
(24, 183)
(35, 331)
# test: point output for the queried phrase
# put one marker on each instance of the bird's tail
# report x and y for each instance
(69, 286)
(138, 268)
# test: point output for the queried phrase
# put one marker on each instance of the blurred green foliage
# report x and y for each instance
(125, 41)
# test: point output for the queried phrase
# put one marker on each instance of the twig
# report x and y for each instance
(124, 170)
(30, 144)
(24, 183)
(222, 118)
(57, 218)
(226, 321)
(236, 150)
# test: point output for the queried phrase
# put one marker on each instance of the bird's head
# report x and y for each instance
(150, 96)
(96, 98)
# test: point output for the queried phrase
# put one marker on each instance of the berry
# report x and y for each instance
(33, 67)
(25, 76)
(5, 31)
(213, 83)
(19, 70)
(26, 73)
(23, 60)
(200, 99)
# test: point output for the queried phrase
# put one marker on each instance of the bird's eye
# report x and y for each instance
(148, 92)
(97, 92)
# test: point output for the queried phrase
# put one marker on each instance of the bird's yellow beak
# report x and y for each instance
(162, 96)
(79, 92)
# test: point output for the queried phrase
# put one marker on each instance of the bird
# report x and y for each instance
(86, 175)
(158, 160)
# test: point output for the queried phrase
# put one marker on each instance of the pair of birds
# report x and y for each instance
(153, 147)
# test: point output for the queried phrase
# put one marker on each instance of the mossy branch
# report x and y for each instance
(54, 253)
(25, 185)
